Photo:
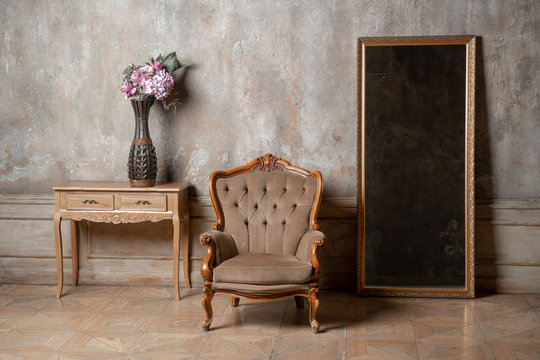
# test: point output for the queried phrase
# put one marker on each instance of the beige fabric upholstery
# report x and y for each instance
(263, 269)
(260, 290)
(267, 212)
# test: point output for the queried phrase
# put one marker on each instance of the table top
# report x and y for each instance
(85, 185)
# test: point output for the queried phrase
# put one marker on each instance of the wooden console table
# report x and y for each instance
(118, 202)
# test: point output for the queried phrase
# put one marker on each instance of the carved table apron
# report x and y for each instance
(117, 202)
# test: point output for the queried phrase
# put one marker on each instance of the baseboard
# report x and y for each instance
(507, 245)
(129, 254)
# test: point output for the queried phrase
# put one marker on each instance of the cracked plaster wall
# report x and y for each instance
(267, 76)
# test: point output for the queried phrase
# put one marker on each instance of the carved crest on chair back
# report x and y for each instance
(269, 162)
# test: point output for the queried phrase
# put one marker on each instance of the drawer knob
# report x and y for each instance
(143, 202)
(90, 202)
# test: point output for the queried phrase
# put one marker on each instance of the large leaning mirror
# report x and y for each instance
(416, 166)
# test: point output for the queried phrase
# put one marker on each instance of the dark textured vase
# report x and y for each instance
(142, 163)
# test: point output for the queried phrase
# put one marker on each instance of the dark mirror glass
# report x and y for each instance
(415, 168)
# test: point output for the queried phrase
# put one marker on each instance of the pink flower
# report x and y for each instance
(146, 69)
(143, 79)
(128, 89)
(138, 77)
(147, 87)
(159, 85)
(156, 65)
(134, 76)
(163, 84)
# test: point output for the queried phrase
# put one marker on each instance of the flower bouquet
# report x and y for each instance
(151, 81)
(144, 84)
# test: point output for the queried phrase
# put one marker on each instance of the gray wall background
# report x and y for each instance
(267, 76)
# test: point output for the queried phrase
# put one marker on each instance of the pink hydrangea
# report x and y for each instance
(159, 85)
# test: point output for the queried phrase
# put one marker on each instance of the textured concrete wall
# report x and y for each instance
(267, 76)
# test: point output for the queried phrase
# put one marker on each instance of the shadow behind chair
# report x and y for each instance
(264, 244)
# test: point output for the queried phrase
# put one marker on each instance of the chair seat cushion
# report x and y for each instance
(261, 290)
(263, 269)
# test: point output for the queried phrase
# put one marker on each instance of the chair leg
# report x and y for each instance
(235, 301)
(313, 306)
(299, 302)
(207, 305)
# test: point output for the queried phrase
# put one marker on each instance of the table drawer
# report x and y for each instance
(89, 201)
(142, 202)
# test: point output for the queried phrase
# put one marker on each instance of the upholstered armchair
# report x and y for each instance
(264, 244)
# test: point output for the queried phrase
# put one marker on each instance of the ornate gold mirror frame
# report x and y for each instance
(380, 202)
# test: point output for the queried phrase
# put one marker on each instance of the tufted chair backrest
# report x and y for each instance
(266, 205)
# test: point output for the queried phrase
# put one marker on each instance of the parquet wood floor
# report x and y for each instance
(112, 322)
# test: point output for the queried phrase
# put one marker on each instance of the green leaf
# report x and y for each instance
(171, 63)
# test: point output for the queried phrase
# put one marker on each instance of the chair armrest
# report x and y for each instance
(308, 239)
(307, 250)
(220, 246)
(225, 247)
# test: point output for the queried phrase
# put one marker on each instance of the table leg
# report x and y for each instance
(74, 252)
(57, 220)
(176, 255)
(185, 244)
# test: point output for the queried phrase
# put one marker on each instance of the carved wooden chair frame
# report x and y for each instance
(268, 162)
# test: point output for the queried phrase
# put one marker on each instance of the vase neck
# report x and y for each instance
(141, 109)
